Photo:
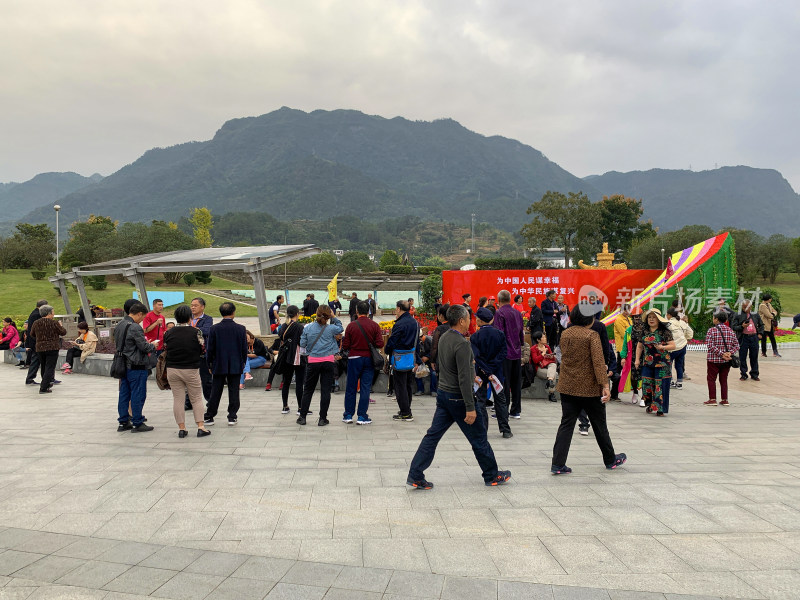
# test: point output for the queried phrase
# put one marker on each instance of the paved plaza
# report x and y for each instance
(708, 504)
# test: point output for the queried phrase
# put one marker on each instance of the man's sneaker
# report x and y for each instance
(507, 434)
(420, 484)
(32, 382)
(724, 403)
(776, 355)
(301, 421)
(710, 403)
(583, 430)
(552, 397)
(672, 385)
(501, 478)
(763, 355)
(56, 381)
(248, 377)
(268, 388)
(619, 460)
(364, 420)
(493, 415)
(285, 410)
(403, 417)
(515, 416)
(47, 391)
(562, 470)
(389, 393)
(641, 403)
(208, 420)
(298, 412)
(678, 386)
(126, 426)
(232, 421)
(347, 419)
(322, 422)
(142, 427)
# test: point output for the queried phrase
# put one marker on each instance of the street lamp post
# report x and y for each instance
(57, 208)
(662, 259)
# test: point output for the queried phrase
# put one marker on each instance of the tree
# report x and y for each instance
(646, 253)
(431, 289)
(390, 257)
(34, 246)
(748, 254)
(619, 222)
(773, 255)
(795, 255)
(6, 253)
(354, 262)
(202, 222)
(90, 241)
(569, 222)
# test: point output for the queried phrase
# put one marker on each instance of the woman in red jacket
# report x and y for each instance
(544, 361)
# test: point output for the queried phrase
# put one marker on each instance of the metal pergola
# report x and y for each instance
(376, 283)
(250, 259)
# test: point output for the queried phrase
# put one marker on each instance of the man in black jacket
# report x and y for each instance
(372, 308)
(535, 318)
(749, 328)
(404, 339)
(352, 310)
(30, 344)
(489, 349)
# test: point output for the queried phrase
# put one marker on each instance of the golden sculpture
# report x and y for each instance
(605, 260)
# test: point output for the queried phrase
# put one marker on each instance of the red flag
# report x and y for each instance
(669, 272)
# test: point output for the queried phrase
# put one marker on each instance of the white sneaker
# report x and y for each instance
(635, 398)
(679, 386)
(641, 403)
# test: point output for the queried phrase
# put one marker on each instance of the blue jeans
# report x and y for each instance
(360, 369)
(450, 408)
(679, 360)
(252, 363)
(132, 389)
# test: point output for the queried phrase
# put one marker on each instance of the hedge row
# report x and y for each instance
(495, 263)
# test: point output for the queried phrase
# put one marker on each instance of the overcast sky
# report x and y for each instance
(88, 86)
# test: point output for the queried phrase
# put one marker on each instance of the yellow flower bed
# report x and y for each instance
(386, 325)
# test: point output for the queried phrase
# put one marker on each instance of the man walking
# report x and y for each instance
(372, 307)
(402, 345)
(351, 310)
(30, 344)
(155, 326)
(455, 404)
(227, 355)
(47, 332)
(489, 349)
(357, 338)
(203, 322)
(129, 339)
(748, 328)
(509, 322)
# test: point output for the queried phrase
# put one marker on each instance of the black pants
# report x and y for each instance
(551, 331)
(512, 386)
(321, 372)
(272, 371)
(299, 373)
(571, 407)
(72, 354)
(404, 383)
(217, 383)
(500, 408)
(33, 369)
(206, 379)
(748, 345)
(771, 335)
(450, 409)
(48, 360)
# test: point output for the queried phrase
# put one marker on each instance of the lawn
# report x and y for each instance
(788, 286)
(19, 293)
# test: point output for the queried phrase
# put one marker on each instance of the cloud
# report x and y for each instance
(89, 86)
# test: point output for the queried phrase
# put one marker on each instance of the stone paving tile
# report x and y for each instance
(336, 551)
(14, 560)
(234, 588)
(704, 553)
(415, 585)
(49, 568)
(292, 591)
(129, 553)
(522, 557)
(263, 568)
(639, 551)
(583, 554)
(188, 586)
(309, 573)
(455, 557)
(140, 580)
(402, 554)
(217, 563)
(363, 579)
(171, 557)
(93, 574)
(302, 524)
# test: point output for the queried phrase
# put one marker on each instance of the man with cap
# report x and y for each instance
(489, 350)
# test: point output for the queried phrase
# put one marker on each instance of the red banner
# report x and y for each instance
(612, 287)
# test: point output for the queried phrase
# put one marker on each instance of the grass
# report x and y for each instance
(19, 293)
(788, 286)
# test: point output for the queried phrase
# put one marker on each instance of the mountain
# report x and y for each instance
(17, 199)
(293, 164)
(741, 197)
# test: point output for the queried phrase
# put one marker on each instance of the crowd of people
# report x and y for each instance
(475, 360)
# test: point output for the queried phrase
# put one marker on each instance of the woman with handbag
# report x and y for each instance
(722, 354)
(319, 342)
(289, 362)
(183, 350)
(770, 318)
(653, 356)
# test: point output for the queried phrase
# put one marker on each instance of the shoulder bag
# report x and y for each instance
(161, 372)
(734, 359)
(282, 358)
(377, 358)
(119, 366)
(403, 360)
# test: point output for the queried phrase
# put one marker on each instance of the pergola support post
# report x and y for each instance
(137, 279)
(87, 311)
(62, 287)
(261, 298)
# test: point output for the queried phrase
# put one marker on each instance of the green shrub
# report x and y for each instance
(203, 277)
(38, 275)
(428, 270)
(431, 289)
(398, 269)
(57, 289)
(159, 282)
(189, 278)
(701, 323)
(98, 285)
(776, 298)
(495, 263)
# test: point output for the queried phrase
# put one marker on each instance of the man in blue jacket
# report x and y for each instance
(227, 354)
(403, 340)
(489, 350)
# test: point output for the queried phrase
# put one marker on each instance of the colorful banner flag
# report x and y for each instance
(669, 272)
(332, 288)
